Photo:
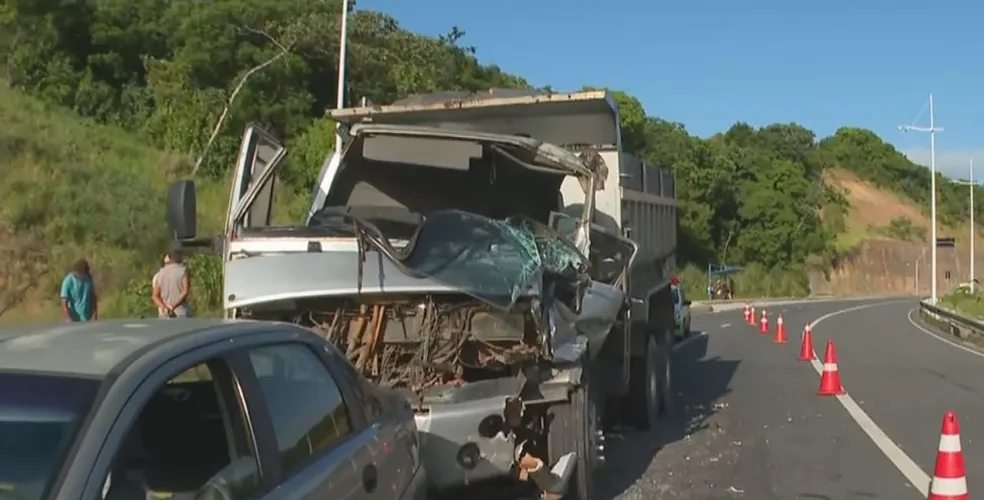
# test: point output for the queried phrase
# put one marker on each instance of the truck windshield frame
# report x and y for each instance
(40, 417)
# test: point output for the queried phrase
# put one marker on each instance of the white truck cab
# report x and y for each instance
(485, 184)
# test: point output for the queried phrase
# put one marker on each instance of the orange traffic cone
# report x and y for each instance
(949, 479)
(746, 314)
(751, 316)
(806, 344)
(830, 382)
(764, 324)
(780, 336)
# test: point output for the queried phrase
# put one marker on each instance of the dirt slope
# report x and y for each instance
(875, 261)
(870, 205)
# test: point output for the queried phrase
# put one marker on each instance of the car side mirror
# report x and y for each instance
(687, 302)
(181, 210)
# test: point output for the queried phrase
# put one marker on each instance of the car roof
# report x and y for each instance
(94, 349)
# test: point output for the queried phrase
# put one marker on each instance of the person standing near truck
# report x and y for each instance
(155, 286)
(78, 294)
(171, 287)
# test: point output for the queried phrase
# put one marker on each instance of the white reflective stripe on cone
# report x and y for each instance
(949, 443)
(948, 487)
(830, 367)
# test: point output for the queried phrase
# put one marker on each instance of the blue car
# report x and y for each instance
(681, 309)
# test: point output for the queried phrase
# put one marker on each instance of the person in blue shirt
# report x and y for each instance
(78, 294)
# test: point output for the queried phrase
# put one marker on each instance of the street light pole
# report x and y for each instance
(340, 88)
(973, 232)
(973, 228)
(933, 129)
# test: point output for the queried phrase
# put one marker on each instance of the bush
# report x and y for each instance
(205, 297)
(80, 190)
(755, 281)
(962, 301)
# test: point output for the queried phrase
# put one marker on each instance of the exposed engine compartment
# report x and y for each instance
(496, 297)
(420, 341)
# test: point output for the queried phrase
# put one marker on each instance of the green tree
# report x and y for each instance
(186, 77)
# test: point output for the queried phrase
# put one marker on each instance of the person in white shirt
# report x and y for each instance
(155, 285)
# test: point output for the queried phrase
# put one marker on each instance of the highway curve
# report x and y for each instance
(749, 425)
(905, 377)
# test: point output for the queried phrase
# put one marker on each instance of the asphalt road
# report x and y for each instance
(748, 423)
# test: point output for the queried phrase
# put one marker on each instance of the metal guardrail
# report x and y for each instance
(752, 300)
(950, 321)
(739, 302)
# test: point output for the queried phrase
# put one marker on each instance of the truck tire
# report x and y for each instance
(575, 426)
(650, 383)
(641, 406)
(665, 356)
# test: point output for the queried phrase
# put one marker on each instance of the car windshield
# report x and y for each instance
(492, 260)
(39, 417)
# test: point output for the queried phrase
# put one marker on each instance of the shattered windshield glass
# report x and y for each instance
(489, 259)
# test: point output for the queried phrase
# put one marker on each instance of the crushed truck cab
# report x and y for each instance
(496, 258)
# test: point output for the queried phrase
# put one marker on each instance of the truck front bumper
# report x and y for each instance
(455, 448)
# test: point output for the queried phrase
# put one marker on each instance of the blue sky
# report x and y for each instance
(709, 64)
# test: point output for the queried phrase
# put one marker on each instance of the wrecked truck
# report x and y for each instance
(496, 258)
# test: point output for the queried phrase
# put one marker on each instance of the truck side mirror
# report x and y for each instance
(181, 208)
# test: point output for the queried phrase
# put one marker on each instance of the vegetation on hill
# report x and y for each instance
(961, 300)
(72, 189)
(864, 153)
(150, 76)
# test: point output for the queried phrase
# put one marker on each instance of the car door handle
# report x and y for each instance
(370, 478)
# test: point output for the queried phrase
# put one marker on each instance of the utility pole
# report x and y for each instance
(340, 88)
(933, 129)
(973, 228)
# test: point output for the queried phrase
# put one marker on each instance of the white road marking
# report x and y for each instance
(696, 336)
(916, 476)
(940, 338)
(725, 325)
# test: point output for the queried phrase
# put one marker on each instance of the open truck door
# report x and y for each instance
(251, 198)
(250, 202)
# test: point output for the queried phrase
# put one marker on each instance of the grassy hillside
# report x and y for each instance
(860, 155)
(881, 213)
(74, 189)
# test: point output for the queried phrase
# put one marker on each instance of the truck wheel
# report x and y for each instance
(665, 356)
(576, 427)
(641, 406)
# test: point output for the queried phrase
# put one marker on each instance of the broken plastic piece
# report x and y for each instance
(552, 483)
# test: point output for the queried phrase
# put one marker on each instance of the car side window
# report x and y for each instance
(305, 404)
(371, 404)
(190, 439)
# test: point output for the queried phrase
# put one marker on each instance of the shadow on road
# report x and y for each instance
(698, 383)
